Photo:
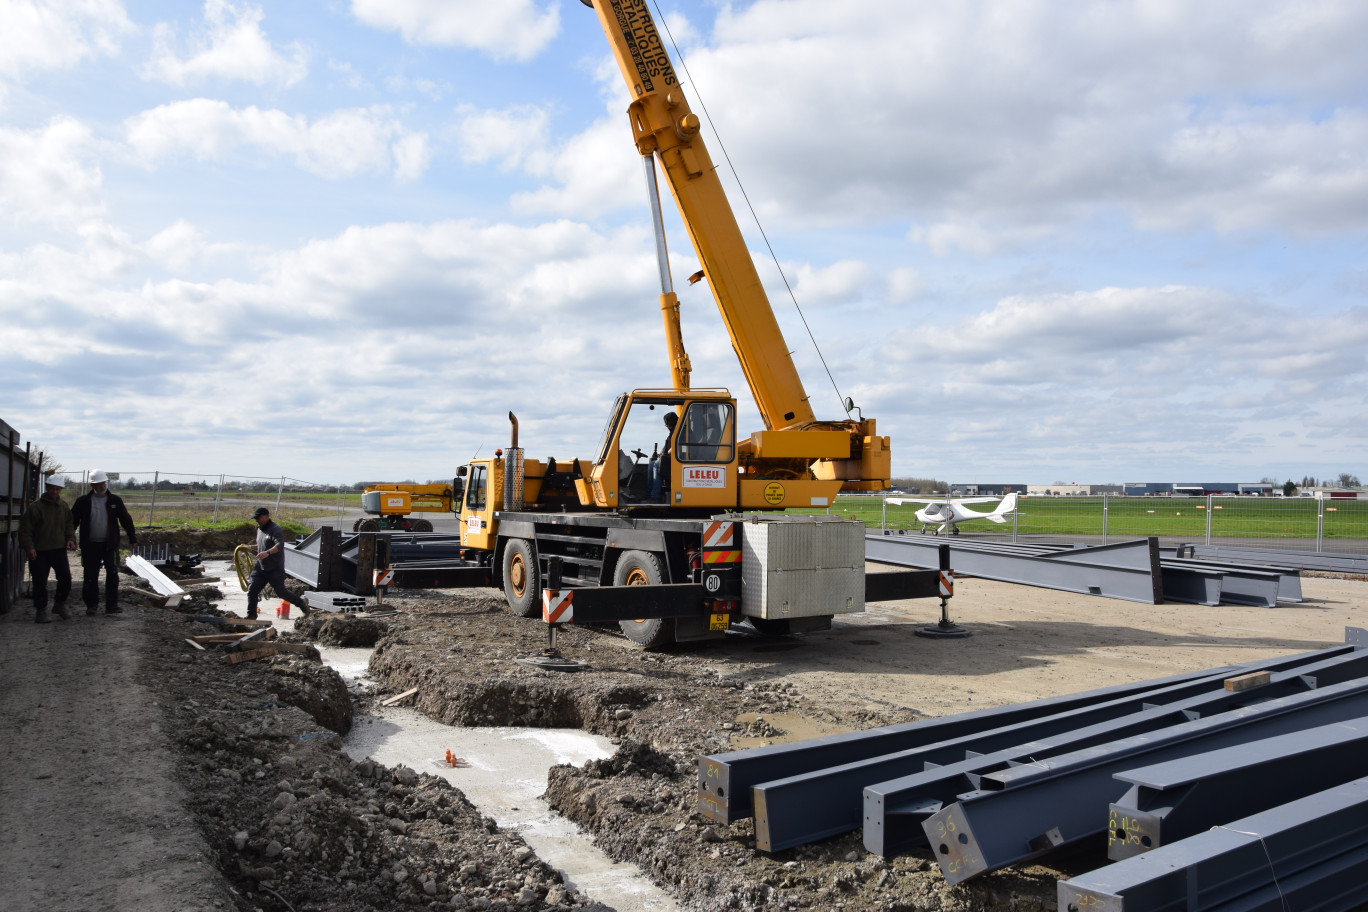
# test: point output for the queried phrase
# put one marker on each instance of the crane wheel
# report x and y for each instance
(642, 568)
(522, 578)
(356, 526)
(422, 525)
(368, 525)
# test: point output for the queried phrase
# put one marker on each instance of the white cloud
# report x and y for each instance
(55, 34)
(989, 125)
(510, 29)
(231, 45)
(1125, 376)
(49, 175)
(511, 138)
(334, 146)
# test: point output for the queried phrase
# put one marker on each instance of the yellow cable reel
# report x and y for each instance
(244, 557)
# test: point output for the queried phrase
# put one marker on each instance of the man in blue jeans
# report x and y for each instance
(270, 564)
(98, 516)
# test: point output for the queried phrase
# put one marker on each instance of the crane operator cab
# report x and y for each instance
(668, 447)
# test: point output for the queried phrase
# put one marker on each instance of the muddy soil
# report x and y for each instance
(666, 708)
(138, 772)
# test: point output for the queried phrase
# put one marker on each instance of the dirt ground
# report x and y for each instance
(137, 772)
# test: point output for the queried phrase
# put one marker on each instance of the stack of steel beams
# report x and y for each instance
(330, 559)
(1137, 571)
(1138, 765)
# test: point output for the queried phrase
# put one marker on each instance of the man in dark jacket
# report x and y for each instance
(98, 516)
(270, 564)
(46, 534)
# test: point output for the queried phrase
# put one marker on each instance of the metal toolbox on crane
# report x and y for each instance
(801, 566)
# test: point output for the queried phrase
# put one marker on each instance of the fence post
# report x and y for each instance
(1320, 523)
(1106, 513)
(1015, 514)
(1210, 510)
(218, 495)
(152, 507)
(279, 491)
(883, 520)
(339, 506)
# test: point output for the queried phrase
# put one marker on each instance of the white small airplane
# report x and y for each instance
(949, 513)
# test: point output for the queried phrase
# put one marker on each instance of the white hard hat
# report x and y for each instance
(98, 476)
(57, 480)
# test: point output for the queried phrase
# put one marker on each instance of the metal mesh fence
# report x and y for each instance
(1283, 523)
(160, 498)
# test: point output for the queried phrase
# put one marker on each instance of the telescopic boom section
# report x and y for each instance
(663, 125)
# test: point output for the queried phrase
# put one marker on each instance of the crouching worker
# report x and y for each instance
(270, 564)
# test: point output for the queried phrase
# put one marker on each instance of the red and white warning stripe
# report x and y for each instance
(558, 606)
(384, 577)
(719, 544)
(718, 535)
(947, 583)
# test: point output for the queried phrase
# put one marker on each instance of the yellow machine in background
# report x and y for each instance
(392, 504)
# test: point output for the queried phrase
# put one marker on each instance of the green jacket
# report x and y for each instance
(46, 526)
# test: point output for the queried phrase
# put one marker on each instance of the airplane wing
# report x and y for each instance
(899, 501)
(969, 500)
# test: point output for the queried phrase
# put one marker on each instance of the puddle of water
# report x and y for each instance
(504, 775)
(794, 726)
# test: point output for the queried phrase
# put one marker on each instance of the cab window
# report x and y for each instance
(475, 490)
(707, 433)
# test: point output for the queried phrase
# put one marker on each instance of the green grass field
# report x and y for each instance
(1136, 517)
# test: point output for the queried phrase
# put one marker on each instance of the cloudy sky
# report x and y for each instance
(1039, 241)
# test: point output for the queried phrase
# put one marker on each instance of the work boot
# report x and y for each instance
(40, 616)
(60, 609)
(90, 611)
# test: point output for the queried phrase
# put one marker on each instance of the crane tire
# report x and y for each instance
(642, 568)
(522, 578)
(368, 525)
(422, 525)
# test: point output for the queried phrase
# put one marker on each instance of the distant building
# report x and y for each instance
(984, 489)
(1072, 489)
(1195, 488)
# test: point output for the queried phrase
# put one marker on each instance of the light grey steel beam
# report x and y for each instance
(1306, 560)
(1126, 570)
(1170, 801)
(895, 810)
(1253, 586)
(1020, 813)
(1311, 853)
(1195, 586)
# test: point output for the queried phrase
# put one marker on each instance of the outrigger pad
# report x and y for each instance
(548, 663)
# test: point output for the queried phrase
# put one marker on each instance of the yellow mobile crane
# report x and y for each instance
(391, 504)
(650, 533)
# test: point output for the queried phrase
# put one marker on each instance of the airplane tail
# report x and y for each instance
(1004, 509)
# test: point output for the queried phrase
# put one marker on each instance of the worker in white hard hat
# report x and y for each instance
(98, 515)
(47, 533)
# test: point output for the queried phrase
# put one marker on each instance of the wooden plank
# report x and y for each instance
(193, 643)
(256, 637)
(230, 621)
(1245, 682)
(235, 658)
(392, 700)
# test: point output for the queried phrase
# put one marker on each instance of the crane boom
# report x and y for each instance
(664, 126)
(794, 444)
